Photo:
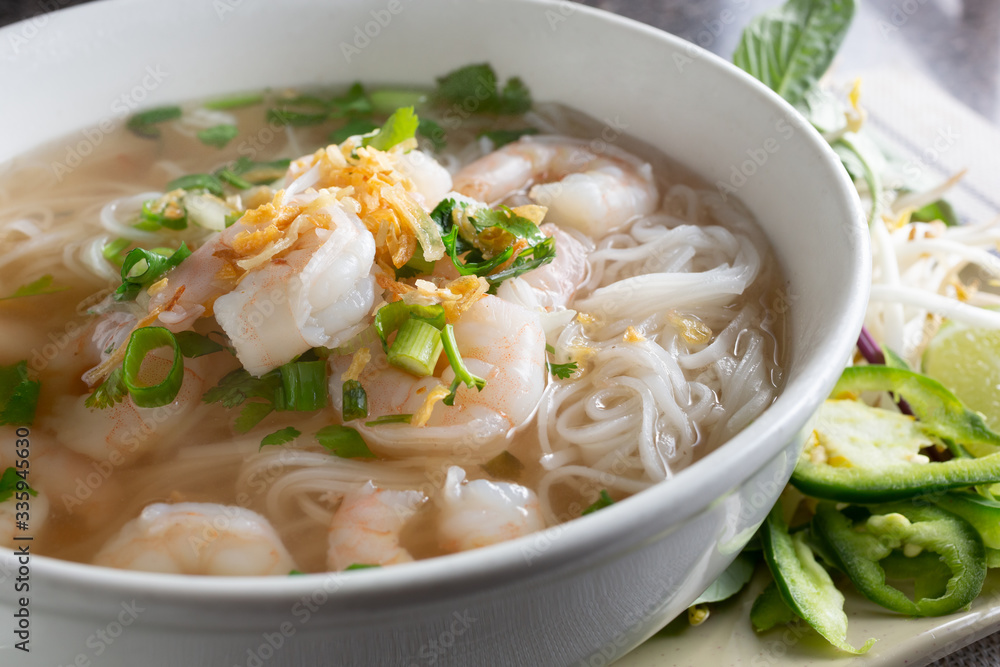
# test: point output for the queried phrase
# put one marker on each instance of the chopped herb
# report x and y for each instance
(351, 128)
(228, 177)
(937, 210)
(11, 482)
(109, 392)
(604, 500)
(218, 135)
(431, 130)
(36, 288)
(280, 437)
(114, 251)
(257, 173)
(251, 415)
(361, 566)
(478, 83)
(355, 401)
(18, 395)
(503, 466)
(504, 137)
(156, 213)
(190, 182)
(352, 103)
(390, 419)
(234, 101)
(344, 441)
(417, 347)
(399, 127)
(550, 349)
(285, 116)
(232, 218)
(562, 371)
(239, 386)
(295, 573)
(140, 344)
(196, 345)
(144, 124)
(142, 268)
(790, 47)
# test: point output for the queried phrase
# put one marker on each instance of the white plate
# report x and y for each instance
(727, 639)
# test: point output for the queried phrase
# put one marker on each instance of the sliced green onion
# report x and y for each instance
(388, 100)
(140, 343)
(142, 268)
(355, 401)
(114, 251)
(144, 123)
(234, 101)
(390, 419)
(232, 179)
(344, 441)
(462, 374)
(218, 135)
(303, 386)
(361, 566)
(283, 116)
(151, 221)
(252, 414)
(604, 500)
(36, 288)
(417, 348)
(391, 317)
(259, 173)
(209, 182)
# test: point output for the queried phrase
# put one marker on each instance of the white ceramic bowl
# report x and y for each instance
(582, 593)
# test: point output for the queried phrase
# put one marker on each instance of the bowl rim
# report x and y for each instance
(604, 534)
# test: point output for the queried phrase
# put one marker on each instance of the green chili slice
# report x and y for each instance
(893, 529)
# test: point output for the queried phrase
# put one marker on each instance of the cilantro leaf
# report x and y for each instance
(36, 288)
(280, 437)
(218, 135)
(344, 441)
(399, 127)
(562, 371)
(11, 482)
(478, 83)
(604, 500)
(109, 392)
(18, 395)
(251, 415)
(504, 137)
(195, 345)
(353, 127)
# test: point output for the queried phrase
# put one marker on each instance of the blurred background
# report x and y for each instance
(954, 42)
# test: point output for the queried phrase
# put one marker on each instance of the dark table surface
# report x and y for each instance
(954, 42)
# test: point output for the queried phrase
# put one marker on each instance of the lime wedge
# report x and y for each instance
(967, 361)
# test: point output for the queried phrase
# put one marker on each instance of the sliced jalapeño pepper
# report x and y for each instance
(804, 584)
(862, 454)
(871, 548)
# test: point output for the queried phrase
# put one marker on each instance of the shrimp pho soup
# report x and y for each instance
(320, 330)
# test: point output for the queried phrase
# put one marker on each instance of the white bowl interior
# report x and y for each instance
(87, 64)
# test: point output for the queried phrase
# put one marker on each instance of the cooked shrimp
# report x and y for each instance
(319, 294)
(555, 283)
(198, 538)
(499, 341)
(124, 432)
(365, 529)
(592, 193)
(479, 513)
